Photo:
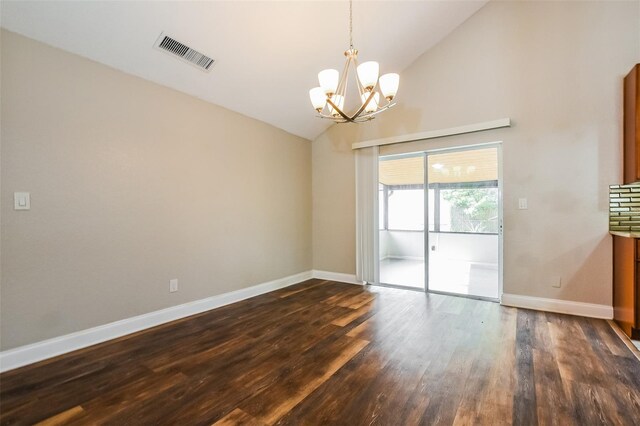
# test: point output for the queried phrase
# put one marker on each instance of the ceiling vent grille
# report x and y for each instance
(184, 52)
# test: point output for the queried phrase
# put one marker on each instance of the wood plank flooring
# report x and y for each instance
(323, 353)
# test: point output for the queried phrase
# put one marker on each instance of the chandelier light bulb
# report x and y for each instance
(318, 98)
(328, 80)
(373, 103)
(368, 74)
(389, 85)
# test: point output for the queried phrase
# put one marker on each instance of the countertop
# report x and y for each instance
(627, 234)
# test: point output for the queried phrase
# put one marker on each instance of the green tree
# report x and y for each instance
(473, 209)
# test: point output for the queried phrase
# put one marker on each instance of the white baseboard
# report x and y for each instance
(336, 276)
(559, 306)
(28, 354)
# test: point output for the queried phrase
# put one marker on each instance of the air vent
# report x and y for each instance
(184, 52)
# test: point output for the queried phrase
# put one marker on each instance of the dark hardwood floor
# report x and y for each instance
(328, 353)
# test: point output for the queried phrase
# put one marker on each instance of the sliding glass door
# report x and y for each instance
(457, 193)
(401, 220)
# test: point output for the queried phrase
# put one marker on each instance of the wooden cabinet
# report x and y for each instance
(632, 126)
(626, 284)
(626, 251)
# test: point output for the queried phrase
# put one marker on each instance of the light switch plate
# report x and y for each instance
(21, 201)
(173, 285)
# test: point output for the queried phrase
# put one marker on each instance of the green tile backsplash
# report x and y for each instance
(624, 207)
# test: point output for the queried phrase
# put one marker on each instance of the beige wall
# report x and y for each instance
(556, 69)
(133, 184)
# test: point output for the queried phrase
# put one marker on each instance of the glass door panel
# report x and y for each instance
(464, 208)
(401, 220)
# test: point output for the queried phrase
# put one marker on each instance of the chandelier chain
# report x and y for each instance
(351, 24)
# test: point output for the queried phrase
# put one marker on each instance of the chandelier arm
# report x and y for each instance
(385, 105)
(372, 114)
(363, 106)
(328, 117)
(343, 78)
(346, 83)
(360, 86)
(334, 119)
(339, 111)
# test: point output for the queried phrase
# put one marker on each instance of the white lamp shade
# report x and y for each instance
(373, 103)
(328, 80)
(338, 100)
(389, 85)
(368, 74)
(318, 98)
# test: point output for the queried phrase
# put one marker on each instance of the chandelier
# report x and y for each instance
(329, 99)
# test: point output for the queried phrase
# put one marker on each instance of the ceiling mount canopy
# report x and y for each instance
(329, 98)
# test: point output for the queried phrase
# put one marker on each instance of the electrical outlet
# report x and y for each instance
(21, 200)
(556, 282)
(173, 285)
(522, 204)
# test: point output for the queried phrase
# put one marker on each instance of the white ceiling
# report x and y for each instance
(268, 53)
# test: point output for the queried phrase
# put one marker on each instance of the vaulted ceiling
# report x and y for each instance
(267, 53)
